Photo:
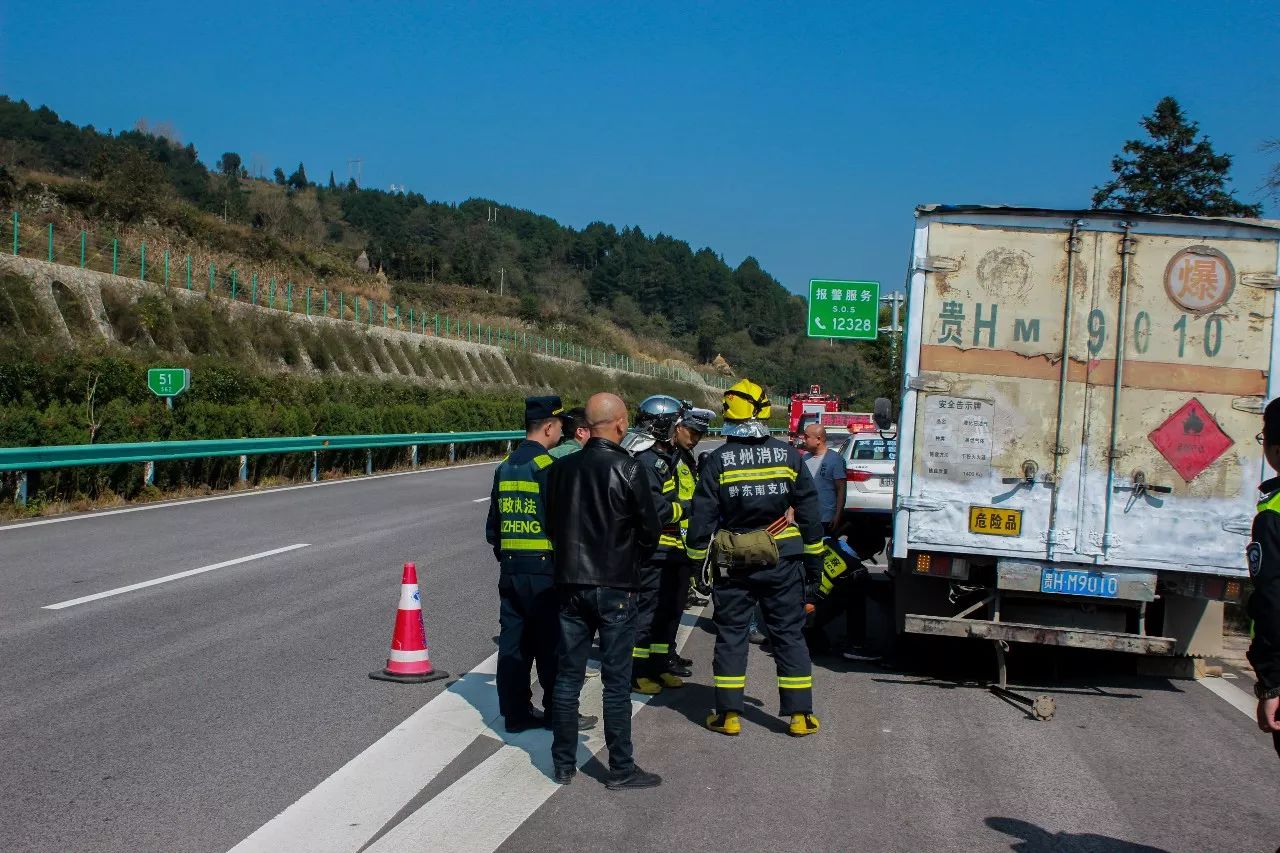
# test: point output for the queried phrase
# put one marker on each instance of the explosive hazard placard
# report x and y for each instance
(1190, 440)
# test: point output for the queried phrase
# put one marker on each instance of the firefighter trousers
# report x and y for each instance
(779, 590)
(673, 594)
(646, 609)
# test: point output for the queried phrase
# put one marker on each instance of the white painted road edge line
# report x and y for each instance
(131, 587)
(489, 803)
(480, 500)
(58, 519)
(346, 810)
(1232, 695)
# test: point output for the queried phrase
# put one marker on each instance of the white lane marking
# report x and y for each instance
(144, 584)
(346, 810)
(480, 500)
(249, 494)
(1232, 695)
(488, 804)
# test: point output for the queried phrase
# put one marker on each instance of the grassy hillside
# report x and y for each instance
(616, 289)
(75, 346)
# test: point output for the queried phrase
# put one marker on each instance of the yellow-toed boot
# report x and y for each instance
(647, 686)
(726, 723)
(802, 724)
(671, 680)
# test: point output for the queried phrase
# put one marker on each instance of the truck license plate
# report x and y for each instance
(1076, 582)
(992, 521)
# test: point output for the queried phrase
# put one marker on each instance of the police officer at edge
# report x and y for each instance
(529, 615)
(1264, 567)
(745, 489)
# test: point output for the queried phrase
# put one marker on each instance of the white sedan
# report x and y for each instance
(871, 461)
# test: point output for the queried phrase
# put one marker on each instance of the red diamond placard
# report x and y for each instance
(1190, 439)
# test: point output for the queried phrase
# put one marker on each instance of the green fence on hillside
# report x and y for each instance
(158, 266)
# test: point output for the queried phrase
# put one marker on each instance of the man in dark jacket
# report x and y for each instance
(602, 516)
(1264, 567)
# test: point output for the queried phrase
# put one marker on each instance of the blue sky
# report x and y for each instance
(802, 134)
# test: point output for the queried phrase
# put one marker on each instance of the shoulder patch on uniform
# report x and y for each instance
(1254, 554)
(542, 460)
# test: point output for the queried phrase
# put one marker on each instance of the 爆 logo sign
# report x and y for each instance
(1199, 279)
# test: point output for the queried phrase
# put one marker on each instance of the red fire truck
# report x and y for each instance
(805, 408)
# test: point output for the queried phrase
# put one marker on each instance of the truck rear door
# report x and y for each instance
(1171, 460)
(1011, 446)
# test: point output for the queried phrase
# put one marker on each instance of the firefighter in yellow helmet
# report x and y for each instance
(744, 492)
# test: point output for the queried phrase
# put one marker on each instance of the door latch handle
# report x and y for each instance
(1028, 478)
(1140, 486)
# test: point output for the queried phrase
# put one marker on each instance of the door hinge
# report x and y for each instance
(937, 263)
(926, 382)
(1264, 280)
(1252, 405)
(912, 503)
(1241, 524)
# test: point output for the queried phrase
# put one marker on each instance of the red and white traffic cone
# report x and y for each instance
(410, 663)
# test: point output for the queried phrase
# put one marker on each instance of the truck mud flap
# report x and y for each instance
(1014, 632)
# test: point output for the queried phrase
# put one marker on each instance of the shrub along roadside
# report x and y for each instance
(59, 397)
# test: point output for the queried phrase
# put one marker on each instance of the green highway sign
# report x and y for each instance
(844, 309)
(168, 382)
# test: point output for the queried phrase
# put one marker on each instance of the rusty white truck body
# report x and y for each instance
(1081, 395)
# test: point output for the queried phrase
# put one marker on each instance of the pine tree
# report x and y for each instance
(1174, 173)
(333, 185)
(298, 180)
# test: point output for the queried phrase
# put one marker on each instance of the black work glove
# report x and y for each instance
(812, 568)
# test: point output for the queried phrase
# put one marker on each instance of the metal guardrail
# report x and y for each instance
(148, 453)
(49, 457)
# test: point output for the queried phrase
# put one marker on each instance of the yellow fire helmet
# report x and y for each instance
(746, 401)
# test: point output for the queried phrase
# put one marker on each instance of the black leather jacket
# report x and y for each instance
(602, 516)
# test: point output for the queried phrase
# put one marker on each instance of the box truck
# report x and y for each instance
(1081, 397)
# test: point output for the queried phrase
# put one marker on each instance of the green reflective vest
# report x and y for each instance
(687, 483)
(521, 516)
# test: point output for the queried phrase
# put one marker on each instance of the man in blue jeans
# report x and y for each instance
(603, 519)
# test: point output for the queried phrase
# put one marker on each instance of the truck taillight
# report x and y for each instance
(942, 566)
(853, 475)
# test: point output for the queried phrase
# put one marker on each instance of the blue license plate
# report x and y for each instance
(1076, 582)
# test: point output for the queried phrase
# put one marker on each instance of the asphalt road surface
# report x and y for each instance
(231, 708)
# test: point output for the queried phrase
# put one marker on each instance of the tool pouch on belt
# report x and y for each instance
(739, 552)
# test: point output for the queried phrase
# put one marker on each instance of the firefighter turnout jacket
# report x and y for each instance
(748, 484)
(517, 516)
(662, 463)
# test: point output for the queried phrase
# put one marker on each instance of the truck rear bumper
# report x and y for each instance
(1015, 632)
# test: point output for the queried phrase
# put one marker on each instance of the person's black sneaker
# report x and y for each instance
(586, 721)
(536, 714)
(755, 637)
(677, 668)
(637, 778)
(682, 661)
(564, 775)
